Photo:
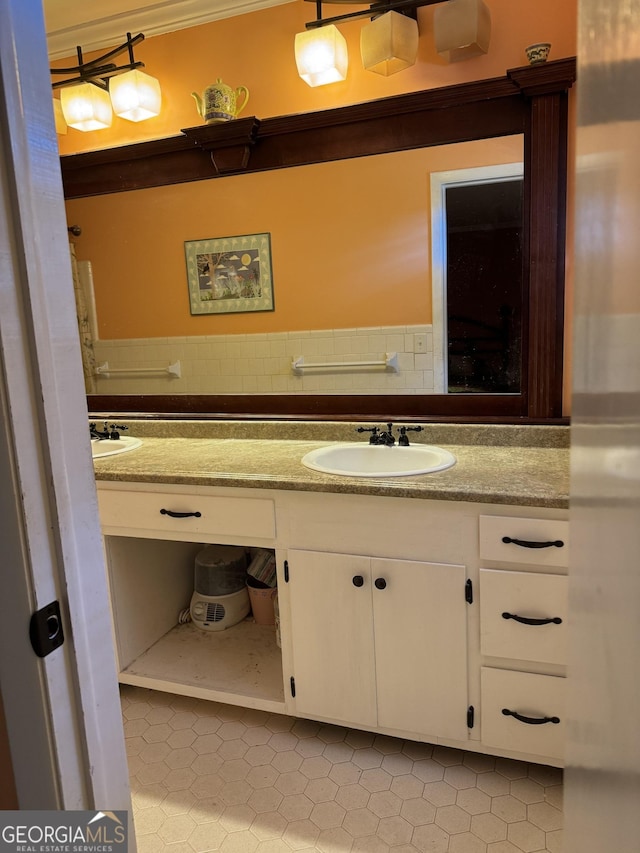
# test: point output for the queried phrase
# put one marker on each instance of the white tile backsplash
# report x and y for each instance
(262, 363)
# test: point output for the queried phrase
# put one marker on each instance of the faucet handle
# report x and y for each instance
(113, 430)
(404, 438)
(373, 438)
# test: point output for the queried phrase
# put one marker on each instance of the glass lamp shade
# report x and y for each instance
(135, 95)
(61, 125)
(462, 29)
(86, 107)
(321, 55)
(389, 43)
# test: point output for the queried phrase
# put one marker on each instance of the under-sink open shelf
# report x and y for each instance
(151, 582)
(241, 665)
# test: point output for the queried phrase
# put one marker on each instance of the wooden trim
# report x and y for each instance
(546, 177)
(531, 100)
(239, 407)
(477, 110)
(324, 406)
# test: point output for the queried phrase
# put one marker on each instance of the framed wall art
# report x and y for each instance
(230, 275)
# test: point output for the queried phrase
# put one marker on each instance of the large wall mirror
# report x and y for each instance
(359, 326)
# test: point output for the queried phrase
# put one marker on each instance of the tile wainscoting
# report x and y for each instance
(262, 363)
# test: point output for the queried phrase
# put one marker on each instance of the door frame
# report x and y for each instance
(62, 711)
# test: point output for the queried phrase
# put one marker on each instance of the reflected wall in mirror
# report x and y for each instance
(529, 102)
(352, 273)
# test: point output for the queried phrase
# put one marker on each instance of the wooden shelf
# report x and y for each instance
(241, 665)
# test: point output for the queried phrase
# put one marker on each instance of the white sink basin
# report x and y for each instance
(370, 460)
(107, 447)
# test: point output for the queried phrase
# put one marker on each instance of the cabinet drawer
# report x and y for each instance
(536, 540)
(212, 514)
(526, 596)
(534, 698)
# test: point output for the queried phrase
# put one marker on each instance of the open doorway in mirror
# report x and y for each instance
(477, 232)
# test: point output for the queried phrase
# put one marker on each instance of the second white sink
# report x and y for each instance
(369, 460)
(107, 447)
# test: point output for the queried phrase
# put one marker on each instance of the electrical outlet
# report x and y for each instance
(420, 343)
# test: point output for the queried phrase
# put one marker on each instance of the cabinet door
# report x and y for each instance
(332, 636)
(421, 647)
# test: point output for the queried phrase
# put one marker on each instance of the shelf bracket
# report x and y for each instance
(229, 143)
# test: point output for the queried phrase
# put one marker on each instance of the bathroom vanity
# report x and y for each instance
(431, 607)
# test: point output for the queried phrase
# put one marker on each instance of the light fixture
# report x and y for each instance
(389, 43)
(321, 56)
(462, 29)
(99, 87)
(86, 107)
(135, 95)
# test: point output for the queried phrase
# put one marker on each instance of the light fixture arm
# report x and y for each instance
(95, 71)
(372, 11)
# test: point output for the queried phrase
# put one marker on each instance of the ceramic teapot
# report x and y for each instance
(220, 102)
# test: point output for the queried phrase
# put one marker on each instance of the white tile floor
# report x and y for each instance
(206, 776)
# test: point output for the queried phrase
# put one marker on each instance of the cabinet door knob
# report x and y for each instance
(380, 583)
(358, 580)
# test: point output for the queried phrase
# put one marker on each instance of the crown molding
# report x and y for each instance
(152, 19)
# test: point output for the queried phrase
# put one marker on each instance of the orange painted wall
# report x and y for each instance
(350, 243)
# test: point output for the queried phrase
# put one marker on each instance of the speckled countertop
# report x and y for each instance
(523, 465)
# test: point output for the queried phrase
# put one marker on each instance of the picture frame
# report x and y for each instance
(230, 275)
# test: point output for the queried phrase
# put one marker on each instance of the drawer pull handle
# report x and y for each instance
(523, 543)
(530, 721)
(525, 620)
(173, 514)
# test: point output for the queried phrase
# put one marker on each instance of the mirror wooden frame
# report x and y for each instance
(532, 101)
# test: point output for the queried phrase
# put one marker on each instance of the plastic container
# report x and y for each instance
(262, 601)
(220, 570)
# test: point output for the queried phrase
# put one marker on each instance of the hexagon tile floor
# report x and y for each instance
(206, 776)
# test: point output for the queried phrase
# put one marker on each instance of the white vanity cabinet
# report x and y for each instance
(391, 610)
(523, 634)
(379, 643)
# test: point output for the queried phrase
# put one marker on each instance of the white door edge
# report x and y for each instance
(63, 713)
